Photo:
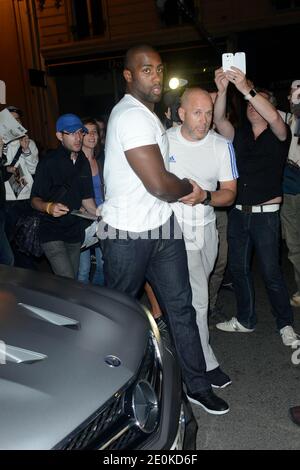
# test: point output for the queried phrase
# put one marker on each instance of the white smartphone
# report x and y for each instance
(237, 60)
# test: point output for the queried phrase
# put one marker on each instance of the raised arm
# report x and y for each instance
(147, 162)
(223, 125)
(259, 102)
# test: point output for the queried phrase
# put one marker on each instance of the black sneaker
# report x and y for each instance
(218, 378)
(295, 414)
(209, 402)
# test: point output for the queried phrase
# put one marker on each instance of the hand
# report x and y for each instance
(24, 142)
(11, 169)
(82, 210)
(58, 210)
(221, 80)
(295, 98)
(17, 174)
(238, 78)
(168, 114)
(99, 210)
(196, 197)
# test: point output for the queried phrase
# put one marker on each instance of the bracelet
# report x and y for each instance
(250, 95)
(48, 207)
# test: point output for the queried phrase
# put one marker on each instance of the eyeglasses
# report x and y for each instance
(79, 132)
(92, 133)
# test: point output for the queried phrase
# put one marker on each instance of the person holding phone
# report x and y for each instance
(261, 146)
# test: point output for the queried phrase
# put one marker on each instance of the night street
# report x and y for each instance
(265, 383)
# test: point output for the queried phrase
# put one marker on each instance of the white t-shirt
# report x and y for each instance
(128, 205)
(21, 189)
(206, 161)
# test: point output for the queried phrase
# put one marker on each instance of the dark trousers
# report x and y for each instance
(6, 254)
(63, 257)
(129, 262)
(259, 231)
(15, 210)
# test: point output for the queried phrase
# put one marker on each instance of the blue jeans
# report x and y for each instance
(85, 267)
(6, 254)
(259, 231)
(163, 262)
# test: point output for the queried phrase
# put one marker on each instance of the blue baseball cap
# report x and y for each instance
(69, 123)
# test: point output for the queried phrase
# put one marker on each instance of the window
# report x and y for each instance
(281, 5)
(176, 12)
(88, 19)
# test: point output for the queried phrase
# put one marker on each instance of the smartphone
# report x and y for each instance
(237, 60)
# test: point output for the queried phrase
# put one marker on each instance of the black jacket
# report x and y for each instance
(4, 176)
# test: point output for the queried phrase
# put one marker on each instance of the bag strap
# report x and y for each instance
(17, 156)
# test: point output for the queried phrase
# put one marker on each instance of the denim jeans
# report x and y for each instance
(85, 267)
(6, 254)
(63, 257)
(259, 231)
(129, 262)
(217, 274)
(290, 219)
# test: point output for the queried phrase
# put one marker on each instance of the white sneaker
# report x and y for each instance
(295, 300)
(233, 325)
(289, 337)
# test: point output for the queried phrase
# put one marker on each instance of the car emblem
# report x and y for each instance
(145, 406)
(112, 361)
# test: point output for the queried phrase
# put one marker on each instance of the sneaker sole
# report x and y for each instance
(212, 412)
(234, 331)
(222, 386)
(294, 345)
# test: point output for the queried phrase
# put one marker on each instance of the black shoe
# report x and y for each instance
(295, 414)
(218, 378)
(209, 402)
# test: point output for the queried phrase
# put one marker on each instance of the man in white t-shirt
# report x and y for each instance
(208, 159)
(141, 241)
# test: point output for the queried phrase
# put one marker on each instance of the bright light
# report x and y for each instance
(177, 82)
(174, 83)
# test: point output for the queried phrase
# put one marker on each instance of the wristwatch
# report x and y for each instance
(207, 200)
(250, 95)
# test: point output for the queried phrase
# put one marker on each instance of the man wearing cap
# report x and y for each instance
(63, 183)
(290, 211)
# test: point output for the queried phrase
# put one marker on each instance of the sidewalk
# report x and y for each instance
(265, 383)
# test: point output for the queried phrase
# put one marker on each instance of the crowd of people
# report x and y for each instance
(158, 220)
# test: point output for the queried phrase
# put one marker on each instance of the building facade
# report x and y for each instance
(66, 55)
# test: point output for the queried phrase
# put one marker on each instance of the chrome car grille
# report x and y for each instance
(116, 426)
